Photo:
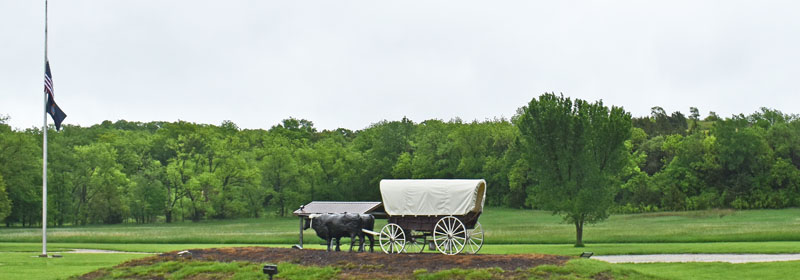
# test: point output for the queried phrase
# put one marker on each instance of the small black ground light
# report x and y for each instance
(270, 269)
(586, 255)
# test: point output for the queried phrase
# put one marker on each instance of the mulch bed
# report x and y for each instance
(357, 265)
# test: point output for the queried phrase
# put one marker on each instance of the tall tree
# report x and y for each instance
(576, 151)
(434, 153)
(5, 203)
(282, 175)
(694, 117)
(744, 156)
(98, 185)
(20, 162)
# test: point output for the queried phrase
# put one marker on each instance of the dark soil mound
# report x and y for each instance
(371, 265)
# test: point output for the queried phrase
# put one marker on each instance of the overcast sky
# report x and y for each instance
(352, 63)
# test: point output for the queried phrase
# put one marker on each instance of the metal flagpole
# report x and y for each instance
(44, 150)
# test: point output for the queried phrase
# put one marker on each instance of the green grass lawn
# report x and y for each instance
(508, 231)
(14, 265)
(271, 230)
(502, 226)
(506, 226)
(25, 265)
(773, 270)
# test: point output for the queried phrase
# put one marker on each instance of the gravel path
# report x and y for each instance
(669, 258)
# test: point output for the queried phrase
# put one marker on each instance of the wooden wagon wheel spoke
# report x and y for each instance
(476, 240)
(392, 239)
(438, 227)
(453, 247)
(450, 235)
(416, 242)
(439, 246)
(456, 246)
(473, 246)
(475, 237)
(452, 225)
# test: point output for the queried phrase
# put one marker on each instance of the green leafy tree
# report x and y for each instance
(519, 179)
(184, 153)
(694, 117)
(334, 167)
(402, 168)
(21, 169)
(744, 157)
(381, 144)
(146, 194)
(712, 117)
(576, 151)
(784, 185)
(63, 176)
(5, 203)
(690, 179)
(479, 148)
(98, 186)
(282, 177)
(637, 194)
(238, 178)
(434, 154)
(783, 140)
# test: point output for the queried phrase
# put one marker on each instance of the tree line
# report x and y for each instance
(136, 172)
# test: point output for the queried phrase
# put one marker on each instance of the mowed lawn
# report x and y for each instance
(506, 226)
(502, 226)
(760, 271)
(25, 265)
(16, 265)
(508, 231)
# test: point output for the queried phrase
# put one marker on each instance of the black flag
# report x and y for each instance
(52, 108)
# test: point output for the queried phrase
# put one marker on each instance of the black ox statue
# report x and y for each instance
(335, 226)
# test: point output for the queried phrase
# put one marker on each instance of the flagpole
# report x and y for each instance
(44, 150)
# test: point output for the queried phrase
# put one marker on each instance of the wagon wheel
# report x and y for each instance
(449, 235)
(392, 239)
(475, 239)
(416, 243)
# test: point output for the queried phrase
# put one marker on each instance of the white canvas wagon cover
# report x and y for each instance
(433, 197)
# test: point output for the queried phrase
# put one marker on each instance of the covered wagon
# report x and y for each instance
(442, 212)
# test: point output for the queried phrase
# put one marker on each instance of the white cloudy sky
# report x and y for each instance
(352, 63)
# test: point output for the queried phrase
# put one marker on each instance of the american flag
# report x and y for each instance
(48, 81)
(52, 108)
